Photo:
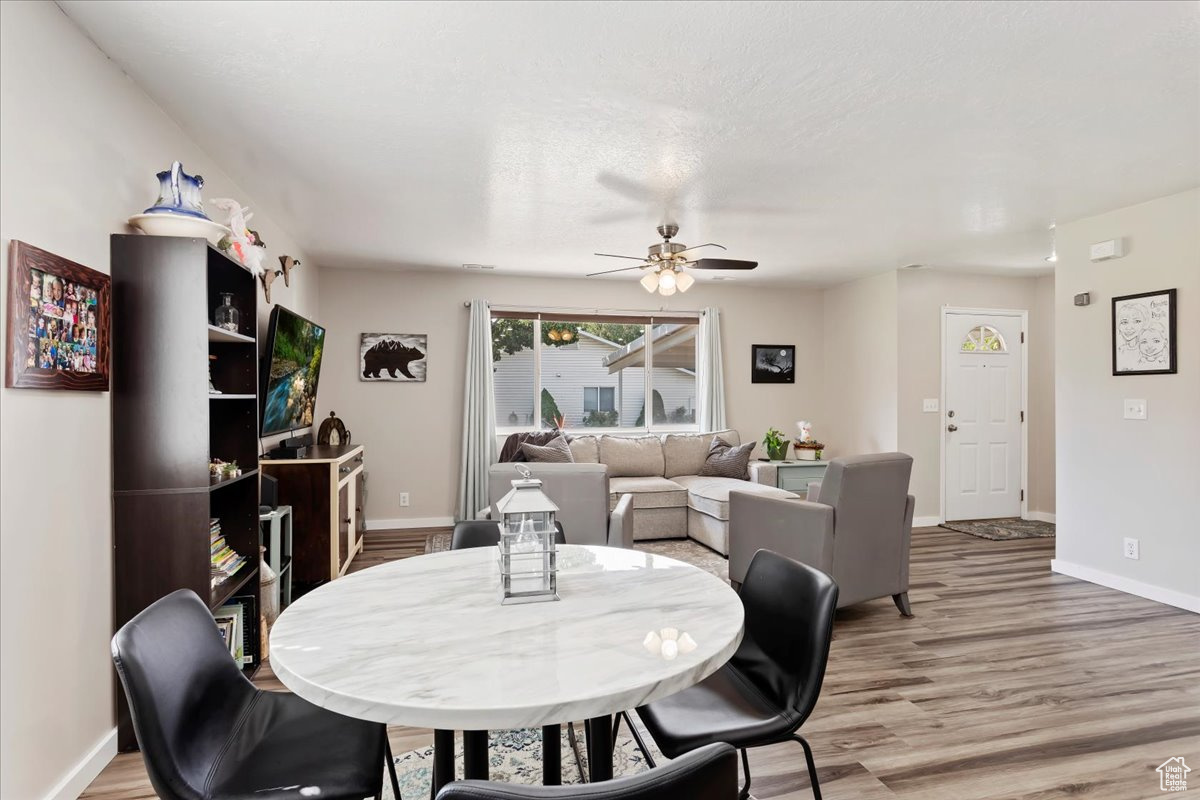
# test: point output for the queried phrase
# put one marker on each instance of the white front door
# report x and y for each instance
(982, 415)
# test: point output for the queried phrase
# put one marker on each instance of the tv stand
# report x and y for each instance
(326, 488)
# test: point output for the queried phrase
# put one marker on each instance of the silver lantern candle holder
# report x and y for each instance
(528, 559)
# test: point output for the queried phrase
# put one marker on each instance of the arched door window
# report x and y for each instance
(983, 339)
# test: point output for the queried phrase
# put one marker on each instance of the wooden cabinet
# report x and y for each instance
(326, 490)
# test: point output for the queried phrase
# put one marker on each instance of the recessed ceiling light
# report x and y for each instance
(479, 266)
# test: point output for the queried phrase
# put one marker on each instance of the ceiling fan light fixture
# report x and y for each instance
(650, 282)
(666, 291)
(683, 281)
(666, 280)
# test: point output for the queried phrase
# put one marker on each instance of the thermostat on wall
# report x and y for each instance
(1103, 251)
(1083, 298)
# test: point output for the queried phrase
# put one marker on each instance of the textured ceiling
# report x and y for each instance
(827, 140)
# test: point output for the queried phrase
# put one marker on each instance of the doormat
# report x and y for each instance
(437, 542)
(1004, 529)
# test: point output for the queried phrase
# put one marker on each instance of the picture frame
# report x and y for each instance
(1143, 334)
(394, 357)
(773, 363)
(59, 322)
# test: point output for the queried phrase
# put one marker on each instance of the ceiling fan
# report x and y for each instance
(667, 260)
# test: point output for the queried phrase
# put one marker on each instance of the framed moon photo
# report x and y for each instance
(393, 357)
(773, 363)
(1143, 333)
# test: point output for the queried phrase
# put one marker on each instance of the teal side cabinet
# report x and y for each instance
(795, 476)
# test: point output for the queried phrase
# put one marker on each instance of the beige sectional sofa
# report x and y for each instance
(671, 500)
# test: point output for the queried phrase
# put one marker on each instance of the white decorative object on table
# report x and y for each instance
(528, 566)
(423, 642)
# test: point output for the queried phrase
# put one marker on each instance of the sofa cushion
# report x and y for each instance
(632, 457)
(555, 451)
(685, 453)
(648, 492)
(710, 495)
(585, 449)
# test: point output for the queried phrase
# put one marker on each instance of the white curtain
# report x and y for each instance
(710, 376)
(479, 415)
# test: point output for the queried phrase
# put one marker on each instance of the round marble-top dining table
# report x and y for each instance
(425, 642)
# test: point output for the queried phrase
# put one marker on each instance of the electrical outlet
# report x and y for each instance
(1131, 548)
(929, 405)
(404, 499)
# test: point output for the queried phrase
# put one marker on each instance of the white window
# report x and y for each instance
(594, 372)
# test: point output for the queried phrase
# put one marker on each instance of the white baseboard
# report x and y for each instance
(927, 522)
(409, 522)
(84, 772)
(1041, 516)
(1158, 594)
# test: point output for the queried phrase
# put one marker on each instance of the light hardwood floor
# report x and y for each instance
(1009, 682)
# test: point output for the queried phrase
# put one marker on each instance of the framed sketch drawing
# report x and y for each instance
(1143, 333)
(392, 357)
(773, 363)
(58, 322)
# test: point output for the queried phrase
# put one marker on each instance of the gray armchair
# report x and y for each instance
(856, 526)
(581, 493)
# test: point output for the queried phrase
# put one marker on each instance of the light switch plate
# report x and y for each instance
(1135, 409)
(929, 406)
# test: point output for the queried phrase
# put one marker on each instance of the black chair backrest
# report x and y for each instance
(486, 533)
(708, 773)
(789, 625)
(185, 691)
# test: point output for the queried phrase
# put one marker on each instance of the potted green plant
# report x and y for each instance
(777, 445)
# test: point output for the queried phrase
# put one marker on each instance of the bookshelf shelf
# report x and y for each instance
(167, 428)
(216, 334)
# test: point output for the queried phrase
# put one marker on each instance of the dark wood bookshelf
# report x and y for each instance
(166, 429)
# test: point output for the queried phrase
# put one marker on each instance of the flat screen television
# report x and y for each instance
(293, 367)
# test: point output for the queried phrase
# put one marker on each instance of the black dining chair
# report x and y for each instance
(767, 690)
(486, 533)
(709, 773)
(207, 733)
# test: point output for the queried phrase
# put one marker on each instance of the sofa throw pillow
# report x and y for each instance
(511, 451)
(727, 461)
(585, 449)
(685, 453)
(556, 451)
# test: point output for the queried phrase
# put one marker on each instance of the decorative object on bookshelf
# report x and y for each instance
(241, 244)
(224, 469)
(58, 322)
(391, 353)
(179, 210)
(332, 431)
(226, 315)
(268, 591)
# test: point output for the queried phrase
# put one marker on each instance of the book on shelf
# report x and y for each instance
(225, 561)
(230, 620)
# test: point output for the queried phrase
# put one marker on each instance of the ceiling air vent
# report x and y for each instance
(479, 266)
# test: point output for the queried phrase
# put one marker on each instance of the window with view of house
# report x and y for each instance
(594, 372)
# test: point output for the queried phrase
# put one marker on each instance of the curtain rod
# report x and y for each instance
(617, 312)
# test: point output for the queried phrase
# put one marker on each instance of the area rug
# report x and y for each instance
(516, 757)
(1004, 529)
(437, 542)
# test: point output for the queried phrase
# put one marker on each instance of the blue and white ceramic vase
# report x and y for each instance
(179, 193)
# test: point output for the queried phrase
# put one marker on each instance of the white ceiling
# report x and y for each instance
(826, 140)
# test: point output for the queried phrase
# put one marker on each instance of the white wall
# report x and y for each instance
(412, 431)
(921, 296)
(860, 367)
(1118, 477)
(79, 146)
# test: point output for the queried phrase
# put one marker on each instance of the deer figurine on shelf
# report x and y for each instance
(287, 264)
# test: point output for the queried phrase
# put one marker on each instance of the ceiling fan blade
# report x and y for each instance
(684, 253)
(610, 271)
(610, 255)
(722, 263)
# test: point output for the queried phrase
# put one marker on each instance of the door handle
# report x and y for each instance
(952, 428)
